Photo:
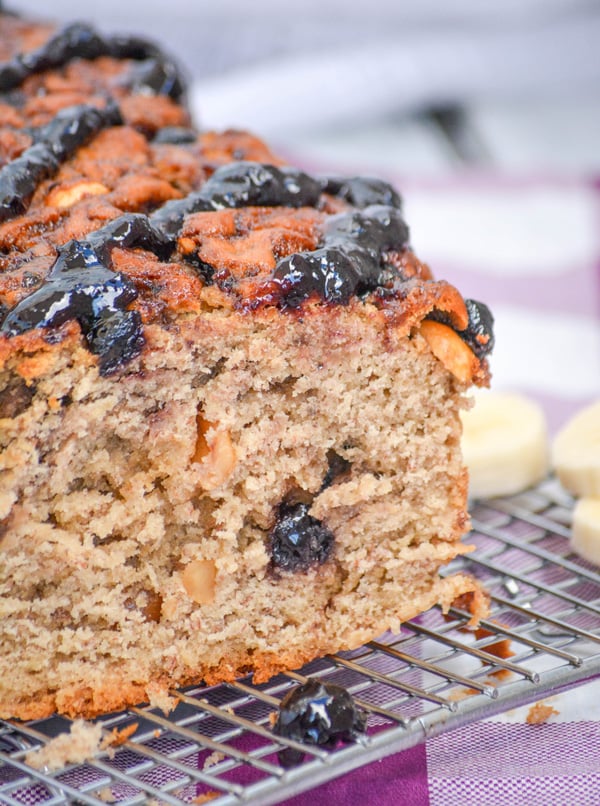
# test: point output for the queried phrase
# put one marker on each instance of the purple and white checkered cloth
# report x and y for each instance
(531, 250)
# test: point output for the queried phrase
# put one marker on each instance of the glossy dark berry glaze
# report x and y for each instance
(479, 333)
(81, 286)
(348, 262)
(362, 191)
(317, 713)
(241, 184)
(81, 41)
(52, 144)
(175, 135)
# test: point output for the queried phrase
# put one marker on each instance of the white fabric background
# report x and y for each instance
(282, 67)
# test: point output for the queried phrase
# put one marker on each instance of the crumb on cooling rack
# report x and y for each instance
(82, 742)
(462, 694)
(118, 737)
(500, 648)
(213, 759)
(475, 602)
(539, 713)
(206, 797)
(159, 697)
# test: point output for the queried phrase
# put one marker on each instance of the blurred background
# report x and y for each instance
(485, 115)
(510, 84)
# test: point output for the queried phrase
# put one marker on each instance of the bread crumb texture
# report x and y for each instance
(209, 463)
(135, 547)
(80, 744)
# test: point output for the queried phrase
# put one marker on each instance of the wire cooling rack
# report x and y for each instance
(217, 746)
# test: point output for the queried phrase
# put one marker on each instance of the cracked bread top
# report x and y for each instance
(116, 214)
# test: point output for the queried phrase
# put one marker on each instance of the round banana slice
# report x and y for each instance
(585, 534)
(504, 443)
(576, 453)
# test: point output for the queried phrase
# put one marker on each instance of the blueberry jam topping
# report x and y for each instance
(241, 184)
(115, 337)
(350, 260)
(74, 126)
(82, 286)
(479, 333)
(175, 135)
(20, 178)
(81, 41)
(53, 144)
(362, 191)
(129, 231)
(317, 713)
(298, 541)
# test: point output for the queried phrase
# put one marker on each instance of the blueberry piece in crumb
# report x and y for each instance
(337, 466)
(317, 713)
(298, 541)
(15, 397)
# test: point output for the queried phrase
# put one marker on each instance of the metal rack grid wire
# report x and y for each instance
(437, 674)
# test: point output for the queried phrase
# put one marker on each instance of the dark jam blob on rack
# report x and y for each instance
(53, 143)
(317, 713)
(349, 261)
(479, 333)
(81, 41)
(298, 541)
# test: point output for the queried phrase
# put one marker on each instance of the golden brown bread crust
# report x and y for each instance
(121, 169)
(152, 491)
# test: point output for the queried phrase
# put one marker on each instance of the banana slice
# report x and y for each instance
(504, 443)
(576, 453)
(585, 534)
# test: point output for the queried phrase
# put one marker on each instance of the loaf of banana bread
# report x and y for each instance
(229, 392)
